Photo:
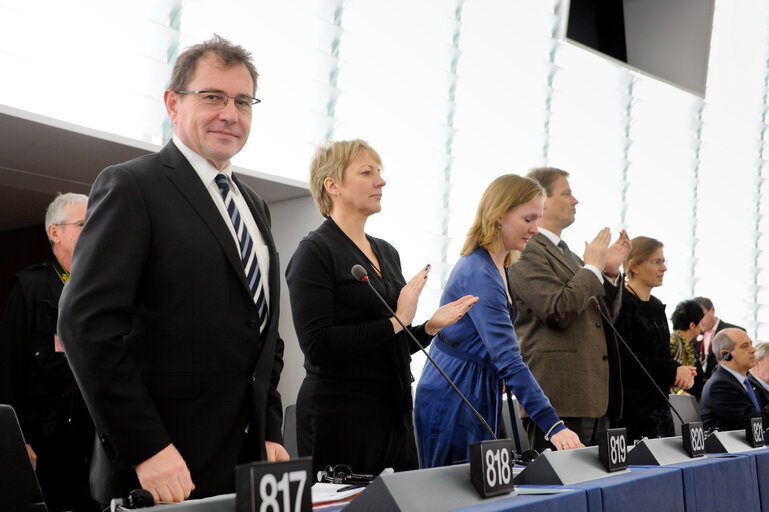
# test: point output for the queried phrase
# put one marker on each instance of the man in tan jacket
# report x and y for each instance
(563, 340)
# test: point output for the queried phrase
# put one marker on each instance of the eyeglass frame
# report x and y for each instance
(227, 97)
(659, 261)
(79, 223)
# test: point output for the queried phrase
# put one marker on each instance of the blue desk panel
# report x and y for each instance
(643, 489)
(719, 483)
(573, 501)
(761, 459)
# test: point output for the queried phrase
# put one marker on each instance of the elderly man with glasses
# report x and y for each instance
(34, 374)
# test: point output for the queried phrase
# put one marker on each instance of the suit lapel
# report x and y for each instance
(186, 180)
(555, 252)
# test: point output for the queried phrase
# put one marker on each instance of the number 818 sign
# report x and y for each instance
(491, 467)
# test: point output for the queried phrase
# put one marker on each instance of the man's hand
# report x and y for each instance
(597, 250)
(618, 251)
(275, 452)
(165, 476)
(32, 456)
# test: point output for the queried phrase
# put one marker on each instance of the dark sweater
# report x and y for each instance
(644, 327)
(354, 361)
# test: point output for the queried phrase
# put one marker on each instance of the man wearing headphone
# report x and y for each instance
(729, 397)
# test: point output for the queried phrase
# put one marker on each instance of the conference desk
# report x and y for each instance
(715, 483)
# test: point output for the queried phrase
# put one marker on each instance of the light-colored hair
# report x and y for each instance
(546, 176)
(721, 341)
(762, 350)
(642, 248)
(55, 213)
(329, 161)
(503, 194)
(228, 54)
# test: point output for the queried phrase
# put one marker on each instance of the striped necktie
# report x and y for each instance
(247, 252)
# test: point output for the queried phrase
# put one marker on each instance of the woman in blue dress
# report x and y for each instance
(480, 352)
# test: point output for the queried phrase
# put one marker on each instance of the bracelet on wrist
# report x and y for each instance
(555, 426)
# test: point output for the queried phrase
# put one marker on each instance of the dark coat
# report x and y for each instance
(725, 402)
(161, 331)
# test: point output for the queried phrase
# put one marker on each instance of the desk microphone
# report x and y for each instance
(360, 274)
(594, 302)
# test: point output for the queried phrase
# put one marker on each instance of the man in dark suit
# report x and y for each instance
(170, 320)
(730, 398)
(710, 325)
(571, 352)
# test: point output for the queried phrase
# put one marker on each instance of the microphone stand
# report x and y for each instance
(361, 275)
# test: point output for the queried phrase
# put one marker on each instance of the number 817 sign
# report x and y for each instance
(274, 487)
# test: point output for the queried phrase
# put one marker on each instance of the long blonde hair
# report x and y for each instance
(503, 194)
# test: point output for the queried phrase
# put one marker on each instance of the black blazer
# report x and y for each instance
(160, 329)
(725, 402)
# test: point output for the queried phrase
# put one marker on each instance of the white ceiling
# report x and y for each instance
(40, 157)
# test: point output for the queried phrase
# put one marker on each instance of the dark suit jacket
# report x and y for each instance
(563, 340)
(710, 364)
(160, 329)
(725, 402)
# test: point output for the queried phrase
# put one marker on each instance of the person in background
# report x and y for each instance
(568, 346)
(170, 320)
(354, 406)
(729, 398)
(480, 352)
(686, 326)
(710, 325)
(759, 374)
(35, 377)
(644, 326)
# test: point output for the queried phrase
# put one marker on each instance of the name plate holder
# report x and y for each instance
(669, 450)
(274, 486)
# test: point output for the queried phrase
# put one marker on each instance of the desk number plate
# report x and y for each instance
(274, 486)
(491, 467)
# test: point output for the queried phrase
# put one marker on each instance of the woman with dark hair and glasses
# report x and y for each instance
(644, 326)
(686, 326)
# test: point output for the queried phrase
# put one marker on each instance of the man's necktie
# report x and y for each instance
(751, 394)
(247, 252)
(575, 263)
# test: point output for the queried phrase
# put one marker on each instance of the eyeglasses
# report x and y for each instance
(79, 223)
(219, 100)
(659, 262)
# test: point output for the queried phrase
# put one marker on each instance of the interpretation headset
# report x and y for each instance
(727, 356)
(342, 474)
(138, 498)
